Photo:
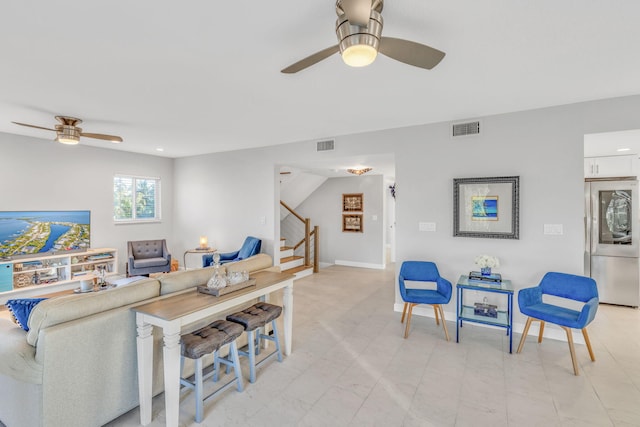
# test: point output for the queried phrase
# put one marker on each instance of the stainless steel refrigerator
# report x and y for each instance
(611, 253)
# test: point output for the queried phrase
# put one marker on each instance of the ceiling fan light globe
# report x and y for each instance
(67, 140)
(359, 55)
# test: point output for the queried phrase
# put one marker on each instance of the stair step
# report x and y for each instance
(291, 262)
(300, 271)
(284, 248)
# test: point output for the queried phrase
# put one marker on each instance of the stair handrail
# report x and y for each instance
(308, 233)
(292, 211)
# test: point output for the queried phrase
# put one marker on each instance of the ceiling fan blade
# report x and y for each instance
(311, 60)
(111, 138)
(32, 126)
(357, 11)
(411, 53)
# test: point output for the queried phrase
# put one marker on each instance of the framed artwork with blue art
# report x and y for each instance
(487, 207)
(484, 208)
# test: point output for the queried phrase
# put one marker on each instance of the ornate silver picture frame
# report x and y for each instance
(487, 207)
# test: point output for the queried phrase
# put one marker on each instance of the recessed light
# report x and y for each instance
(159, 149)
(623, 149)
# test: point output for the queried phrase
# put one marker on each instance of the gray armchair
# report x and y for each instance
(148, 256)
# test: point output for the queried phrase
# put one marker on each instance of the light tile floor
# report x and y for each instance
(351, 366)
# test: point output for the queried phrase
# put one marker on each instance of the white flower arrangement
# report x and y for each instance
(484, 261)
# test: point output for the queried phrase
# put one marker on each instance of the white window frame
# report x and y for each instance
(158, 204)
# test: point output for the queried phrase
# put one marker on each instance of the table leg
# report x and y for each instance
(510, 330)
(288, 316)
(144, 345)
(171, 353)
(267, 327)
(458, 310)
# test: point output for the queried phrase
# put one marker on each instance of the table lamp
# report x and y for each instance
(204, 245)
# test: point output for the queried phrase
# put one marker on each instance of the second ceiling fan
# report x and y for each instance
(359, 30)
(68, 132)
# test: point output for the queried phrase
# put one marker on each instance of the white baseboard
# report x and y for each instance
(324, 264)
(360, 264)
(551, 331)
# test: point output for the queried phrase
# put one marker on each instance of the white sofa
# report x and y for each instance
(76, 366)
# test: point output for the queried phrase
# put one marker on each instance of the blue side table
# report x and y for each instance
(466, 312)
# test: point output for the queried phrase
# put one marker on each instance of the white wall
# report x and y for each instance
(225, 194)
(324, 207)
(228, 196)
(39, 174)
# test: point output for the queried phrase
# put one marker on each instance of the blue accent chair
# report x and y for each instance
(423, 271)
(250, 247)
(569, 286)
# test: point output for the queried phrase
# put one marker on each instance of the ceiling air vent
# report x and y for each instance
(327, 145)
(465, 129)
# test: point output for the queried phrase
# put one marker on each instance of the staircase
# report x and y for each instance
(293, 264)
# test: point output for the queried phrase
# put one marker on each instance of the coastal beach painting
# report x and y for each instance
(484, 208)
(30, 232)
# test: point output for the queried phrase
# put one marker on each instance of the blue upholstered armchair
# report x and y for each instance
(423, 271)
(577, 288)
(250, 247)
(148, 256)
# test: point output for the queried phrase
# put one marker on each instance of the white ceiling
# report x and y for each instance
(203, 76)
(380, 164)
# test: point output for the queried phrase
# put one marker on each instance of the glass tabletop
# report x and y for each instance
(504, 285)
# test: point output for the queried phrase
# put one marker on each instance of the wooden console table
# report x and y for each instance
(175, 311)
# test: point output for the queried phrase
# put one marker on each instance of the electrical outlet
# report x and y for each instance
(426, 226)
(553, 229)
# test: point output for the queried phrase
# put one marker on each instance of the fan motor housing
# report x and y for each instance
(68, 133)
(351, 35)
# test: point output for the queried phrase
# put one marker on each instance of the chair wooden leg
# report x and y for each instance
(541, 331)
(404, 312)
(524, 334)
(435, 310)
(572, 349)
(444, 323)
(406, 329)
(588, 342)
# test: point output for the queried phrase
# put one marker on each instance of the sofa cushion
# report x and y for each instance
(150, 262)
(181, 280)
(17, 357)
(251, 264)
(20, 308)
(69, 307)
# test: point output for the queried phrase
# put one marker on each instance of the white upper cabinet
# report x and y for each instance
(610, 166)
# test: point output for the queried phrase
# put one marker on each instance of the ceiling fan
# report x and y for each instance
(68, 132)
(359, 28)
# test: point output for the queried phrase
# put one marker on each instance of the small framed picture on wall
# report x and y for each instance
(352, 223)
(352, 203)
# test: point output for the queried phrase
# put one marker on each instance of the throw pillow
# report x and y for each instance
(21, 308)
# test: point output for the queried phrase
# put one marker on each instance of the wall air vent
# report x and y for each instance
(327, 145)
(465, 129)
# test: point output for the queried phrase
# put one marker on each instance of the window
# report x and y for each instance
(136, 199)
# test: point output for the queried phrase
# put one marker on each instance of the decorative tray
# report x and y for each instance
(227, 289)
